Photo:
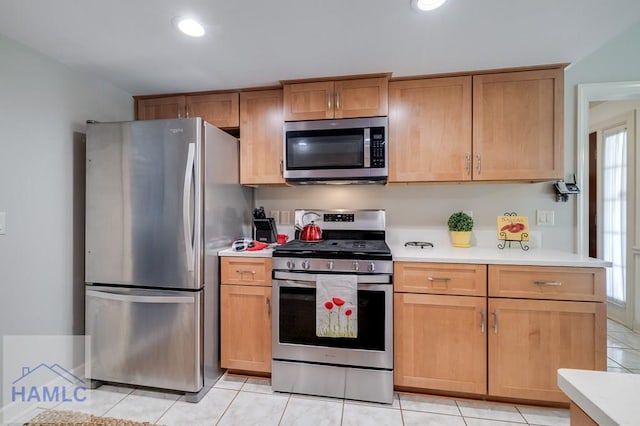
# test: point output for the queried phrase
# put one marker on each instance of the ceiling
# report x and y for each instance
(132, 43)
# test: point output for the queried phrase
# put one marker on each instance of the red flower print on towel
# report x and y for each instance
(339, 302)
(348, 313)
(328, 305)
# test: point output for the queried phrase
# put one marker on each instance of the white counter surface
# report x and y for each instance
(481, 255)
(494, 256)
(267, 252)
(484, 250)
(608, 398)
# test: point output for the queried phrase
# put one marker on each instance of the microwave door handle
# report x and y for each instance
(367, 147)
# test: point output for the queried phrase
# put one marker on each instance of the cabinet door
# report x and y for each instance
(308, 101)
(245, 328)
(430, 130)
(219, 109)
(440, 342)
(365, 97)
(158, 108)
(529, 340)
(518, 125)
(261, 137)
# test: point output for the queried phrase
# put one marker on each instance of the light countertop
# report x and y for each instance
(493, 256)
(484, 250)
(267, 252)
(608, 398)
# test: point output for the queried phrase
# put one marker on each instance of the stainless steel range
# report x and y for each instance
(356, 365)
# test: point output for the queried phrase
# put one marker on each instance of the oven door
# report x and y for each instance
(294, 323)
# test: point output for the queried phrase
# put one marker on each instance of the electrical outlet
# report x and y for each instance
(285, 217)
(275, 214)
(3, 223)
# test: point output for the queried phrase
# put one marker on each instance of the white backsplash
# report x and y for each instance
(424, 209)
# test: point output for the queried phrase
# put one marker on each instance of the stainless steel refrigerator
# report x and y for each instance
(162, 197)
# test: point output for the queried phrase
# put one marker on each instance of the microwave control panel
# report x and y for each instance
(377, 147)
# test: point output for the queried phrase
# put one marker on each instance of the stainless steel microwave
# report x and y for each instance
(348, 150)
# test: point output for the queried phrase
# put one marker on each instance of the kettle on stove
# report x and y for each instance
(310, 231)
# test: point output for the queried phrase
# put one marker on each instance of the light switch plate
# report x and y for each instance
(3, 223)
(545, 217)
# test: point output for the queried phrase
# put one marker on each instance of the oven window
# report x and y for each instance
(325, 149)
(298, 320)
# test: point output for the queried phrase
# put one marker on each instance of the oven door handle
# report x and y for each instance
(311, 278)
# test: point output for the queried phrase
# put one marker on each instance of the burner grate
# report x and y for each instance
(421, 244)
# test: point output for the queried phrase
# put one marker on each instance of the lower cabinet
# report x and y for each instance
(529, 340)
(245, 317)
(507, 341)
(440, 342)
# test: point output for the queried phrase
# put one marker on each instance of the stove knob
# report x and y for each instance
(371, 267)
(290, 264)
(356, 265)
(330, 265)
(306, 264)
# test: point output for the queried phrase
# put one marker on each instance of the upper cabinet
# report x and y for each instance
(364, 97)
(488, 127)
(430, 130)
(159, 108)
(261, 137)
(518, 125)
(219, 109)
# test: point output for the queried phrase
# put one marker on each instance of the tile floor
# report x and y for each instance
(242, 400)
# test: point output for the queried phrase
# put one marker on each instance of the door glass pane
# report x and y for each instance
(298, 320)
(327, 149)
(614, 212)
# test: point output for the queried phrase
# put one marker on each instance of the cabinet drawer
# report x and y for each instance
(245, 270)
(547, 282)
(440, 278)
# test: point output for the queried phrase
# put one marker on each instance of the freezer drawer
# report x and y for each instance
(145, 337)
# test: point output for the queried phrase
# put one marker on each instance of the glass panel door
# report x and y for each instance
(614, 212)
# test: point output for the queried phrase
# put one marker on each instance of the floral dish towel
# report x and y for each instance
(336, 305)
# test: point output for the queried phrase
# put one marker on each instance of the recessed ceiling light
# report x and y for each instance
(189, 26)
(426, 5)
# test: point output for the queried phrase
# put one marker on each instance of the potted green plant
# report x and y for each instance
(460, 226)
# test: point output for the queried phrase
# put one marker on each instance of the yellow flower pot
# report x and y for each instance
(461, 238)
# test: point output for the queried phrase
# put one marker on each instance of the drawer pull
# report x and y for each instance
(482, 321)
(269, 307)
(548, 283)
(245, 271)
(438, 279)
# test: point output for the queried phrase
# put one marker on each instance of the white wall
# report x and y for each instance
(43, 108)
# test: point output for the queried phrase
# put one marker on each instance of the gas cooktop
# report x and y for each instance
(348, 246)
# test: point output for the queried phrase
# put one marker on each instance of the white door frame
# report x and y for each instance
(603, 92)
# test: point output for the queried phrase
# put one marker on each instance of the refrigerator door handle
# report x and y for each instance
(186, 201)
(139, 299)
